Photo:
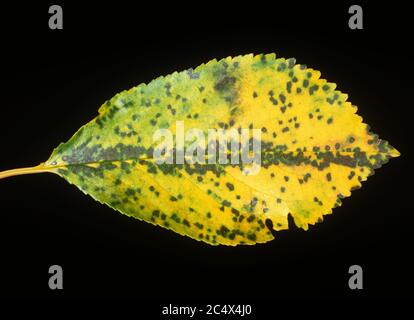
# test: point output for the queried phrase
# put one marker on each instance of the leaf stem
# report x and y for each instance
(29, 170)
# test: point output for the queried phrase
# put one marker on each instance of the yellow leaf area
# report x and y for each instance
(314, 150)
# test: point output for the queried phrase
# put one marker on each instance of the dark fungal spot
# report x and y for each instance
(254, 94)
(235, 211)
(351, 175)
(306, 177)
(315, 199)
(230, 186)
(281, 67)
(192, 74)
(282, 98)
(130, 192)
(167, 89)
(286, 178)
(313, 88)
(291, 63)
(305, 83)
(351, 139)
(282, 189)
(226, 203)
(329, 121)
(250, 218)
(285, 129)
(310, 116)
(225, 84)
(289, 87)
(253, 202)
(172, 198)
(251, 236)
(198, 225)
(232, 235)
(223, 231)
(328, 176)
(175, 218)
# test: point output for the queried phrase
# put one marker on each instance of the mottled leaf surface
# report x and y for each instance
(315, 150)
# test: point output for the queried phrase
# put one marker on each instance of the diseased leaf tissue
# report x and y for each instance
(314, 150)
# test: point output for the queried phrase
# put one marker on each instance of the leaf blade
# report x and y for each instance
(316, 149)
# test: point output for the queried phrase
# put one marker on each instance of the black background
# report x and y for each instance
(54, 82)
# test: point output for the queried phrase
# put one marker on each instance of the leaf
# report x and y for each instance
(314, 150)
